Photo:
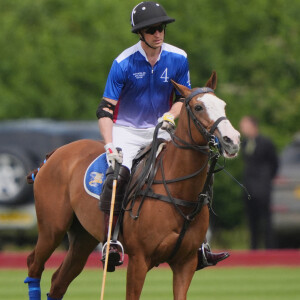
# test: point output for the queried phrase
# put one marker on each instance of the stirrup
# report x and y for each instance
(118, 245)
(206, 258)
(205, 263)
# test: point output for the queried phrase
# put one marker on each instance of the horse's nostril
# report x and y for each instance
(227, 140)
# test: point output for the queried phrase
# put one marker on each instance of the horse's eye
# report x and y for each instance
(198, 108)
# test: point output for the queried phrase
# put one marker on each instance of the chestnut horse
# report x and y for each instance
(156, 234)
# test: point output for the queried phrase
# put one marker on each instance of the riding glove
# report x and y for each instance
(113, 155)
(168, 121)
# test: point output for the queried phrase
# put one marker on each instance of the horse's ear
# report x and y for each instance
(183, 90)
(212, 81)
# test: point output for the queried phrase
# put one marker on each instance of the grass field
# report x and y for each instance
(271, 283)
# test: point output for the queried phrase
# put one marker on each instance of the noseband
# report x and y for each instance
(208, 135)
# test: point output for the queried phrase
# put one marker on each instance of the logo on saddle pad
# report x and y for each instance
(95, 176)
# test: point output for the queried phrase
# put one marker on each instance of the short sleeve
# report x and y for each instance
(115, 82)
(183, 75)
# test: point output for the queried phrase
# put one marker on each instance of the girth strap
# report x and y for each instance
(202, 200)
(180, 238)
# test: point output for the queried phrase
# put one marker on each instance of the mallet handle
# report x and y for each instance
(111, 214)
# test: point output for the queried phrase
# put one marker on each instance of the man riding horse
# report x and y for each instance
(138, 95)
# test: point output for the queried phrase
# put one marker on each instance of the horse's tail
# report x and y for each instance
(32, 175)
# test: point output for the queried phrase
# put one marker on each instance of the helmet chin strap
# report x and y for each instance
(142, 38)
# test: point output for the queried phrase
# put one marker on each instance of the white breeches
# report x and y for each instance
(131, 140)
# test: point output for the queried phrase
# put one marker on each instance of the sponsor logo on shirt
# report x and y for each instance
(139, 75)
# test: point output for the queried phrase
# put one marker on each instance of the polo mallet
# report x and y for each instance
(111, 214)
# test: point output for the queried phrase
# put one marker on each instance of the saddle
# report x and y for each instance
(145, 151)
(96, 172)
(142, 166)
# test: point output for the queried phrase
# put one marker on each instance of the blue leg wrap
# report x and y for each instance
(34, 289)
(49, 298)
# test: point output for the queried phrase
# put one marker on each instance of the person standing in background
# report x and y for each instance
(261, 165)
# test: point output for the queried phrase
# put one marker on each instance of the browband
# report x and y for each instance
(202, 90)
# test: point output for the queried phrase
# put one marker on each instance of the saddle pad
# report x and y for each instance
(95, 175)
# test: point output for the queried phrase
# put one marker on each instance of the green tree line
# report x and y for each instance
(56, 54)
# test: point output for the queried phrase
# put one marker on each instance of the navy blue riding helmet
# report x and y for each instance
(146, 14)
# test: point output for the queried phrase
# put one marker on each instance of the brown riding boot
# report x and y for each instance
(206, 258)
(114, 257)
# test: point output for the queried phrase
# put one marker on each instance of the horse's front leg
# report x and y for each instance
(182, 277)
(136, 274)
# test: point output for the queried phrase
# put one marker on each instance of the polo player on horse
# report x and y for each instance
(137, 96)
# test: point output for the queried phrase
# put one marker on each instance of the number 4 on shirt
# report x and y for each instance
(164, 75)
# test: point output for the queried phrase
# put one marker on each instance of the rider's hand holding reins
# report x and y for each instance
(113, 155)
(168, 121)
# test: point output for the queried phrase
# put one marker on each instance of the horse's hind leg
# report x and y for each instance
(43, 250)
(48, 240)
(54, 220)
(81, 244)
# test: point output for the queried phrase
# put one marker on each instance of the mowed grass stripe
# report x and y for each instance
(272, 283)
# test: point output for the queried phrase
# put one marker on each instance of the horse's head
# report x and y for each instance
(206, 117)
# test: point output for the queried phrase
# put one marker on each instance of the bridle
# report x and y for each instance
(209, 136)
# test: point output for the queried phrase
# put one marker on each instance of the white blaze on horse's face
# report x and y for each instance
(227, 135)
